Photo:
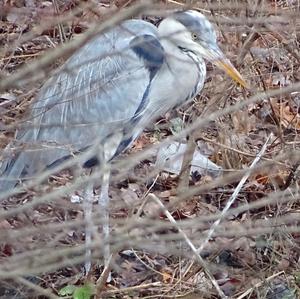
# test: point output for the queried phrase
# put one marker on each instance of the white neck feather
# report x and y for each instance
(172, 31)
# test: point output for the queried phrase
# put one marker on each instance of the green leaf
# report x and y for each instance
(67, 290)
(84, 292)
(297, 277)
(176, 125)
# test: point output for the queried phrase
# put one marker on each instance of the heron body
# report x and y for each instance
(108, 91)
(112, 87)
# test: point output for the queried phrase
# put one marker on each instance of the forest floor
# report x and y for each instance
(254, 252)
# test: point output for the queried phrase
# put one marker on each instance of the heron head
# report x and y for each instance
(192, 32)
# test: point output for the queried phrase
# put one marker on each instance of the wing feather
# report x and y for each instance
(96, 93)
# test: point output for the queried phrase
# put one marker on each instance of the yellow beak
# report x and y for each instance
(225, 64)
(216, 56)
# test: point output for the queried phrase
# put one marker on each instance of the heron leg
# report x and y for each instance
(103, 202)
(89, 225)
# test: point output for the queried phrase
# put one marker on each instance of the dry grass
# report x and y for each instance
(253, 250)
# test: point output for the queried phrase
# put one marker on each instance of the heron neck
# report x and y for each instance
(183, 62)
(182, 77)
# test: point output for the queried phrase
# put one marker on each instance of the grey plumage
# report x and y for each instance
(112, 88)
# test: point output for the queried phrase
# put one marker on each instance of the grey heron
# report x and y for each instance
(111, 88)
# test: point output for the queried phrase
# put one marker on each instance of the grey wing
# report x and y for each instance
(99, 91)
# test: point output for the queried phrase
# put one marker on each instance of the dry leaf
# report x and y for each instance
(166, 277)
(285, 115)
(284, 264)
(5, 225)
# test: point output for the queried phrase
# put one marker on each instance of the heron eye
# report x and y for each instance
(194, 36)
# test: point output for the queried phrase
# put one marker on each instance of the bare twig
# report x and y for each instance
(36, 288)
(190, 244)
(62, 34)
(30, 70)
(259, 284)
(233, 196)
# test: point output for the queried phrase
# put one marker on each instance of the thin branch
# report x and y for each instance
(30, 70)
(234, 196)
(259, 284)
(190, 244)
(36, 288)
